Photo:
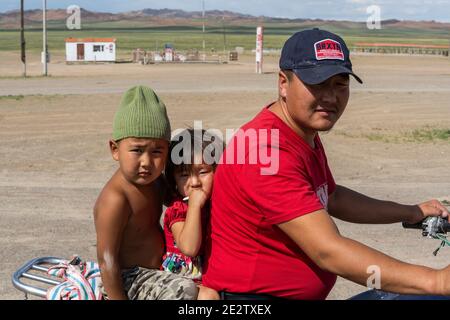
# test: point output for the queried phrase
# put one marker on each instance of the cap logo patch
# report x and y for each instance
(328, 49)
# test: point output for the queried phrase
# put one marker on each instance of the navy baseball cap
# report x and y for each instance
(316, 55)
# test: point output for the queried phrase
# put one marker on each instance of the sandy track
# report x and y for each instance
(54, 157)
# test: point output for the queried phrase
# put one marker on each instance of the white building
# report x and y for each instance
(90, 49)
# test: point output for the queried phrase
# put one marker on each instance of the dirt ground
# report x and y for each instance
(54, 156)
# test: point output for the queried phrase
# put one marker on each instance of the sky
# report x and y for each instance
(355, 10)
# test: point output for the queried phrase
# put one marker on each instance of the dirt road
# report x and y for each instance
(54, 154)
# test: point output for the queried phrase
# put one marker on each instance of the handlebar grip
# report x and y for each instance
(446, 226)
(412, 225)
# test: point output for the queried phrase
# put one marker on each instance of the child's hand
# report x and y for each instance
(197, 198)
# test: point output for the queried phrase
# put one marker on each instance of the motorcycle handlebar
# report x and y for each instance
(446, 226)
(431, 224)
(412, 225)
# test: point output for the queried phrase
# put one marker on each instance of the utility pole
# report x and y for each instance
(44, 31)
(22, 40)
(203, 18)
(224, 35)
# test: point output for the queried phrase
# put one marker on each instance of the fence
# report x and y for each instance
(191, 56)
(400, 48)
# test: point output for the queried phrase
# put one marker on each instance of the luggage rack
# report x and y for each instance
(40, 267)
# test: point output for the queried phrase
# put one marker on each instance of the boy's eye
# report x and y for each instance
(156, 151)
(136, 150)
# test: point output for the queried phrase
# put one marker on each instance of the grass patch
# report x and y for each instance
(429, 134)
(139, 35)
(422, 135)
(27, 77)
(48, 97)
(12, 97)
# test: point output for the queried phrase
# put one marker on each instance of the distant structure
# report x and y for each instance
(259, 49)
(169, 52)
(401, 48)
(90, 50)
(139, 56)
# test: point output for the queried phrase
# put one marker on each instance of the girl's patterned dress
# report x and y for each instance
(174, 260)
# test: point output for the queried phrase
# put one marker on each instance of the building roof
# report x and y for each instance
(90, 40)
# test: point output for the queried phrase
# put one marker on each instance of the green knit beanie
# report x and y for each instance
(141, 114)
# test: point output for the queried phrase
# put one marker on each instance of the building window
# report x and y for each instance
(99, 48)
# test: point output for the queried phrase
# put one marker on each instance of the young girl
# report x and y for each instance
(190, 176)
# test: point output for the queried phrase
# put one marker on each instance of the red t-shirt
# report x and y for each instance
(247, 252)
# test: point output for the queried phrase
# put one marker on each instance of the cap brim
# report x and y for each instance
(319, 74)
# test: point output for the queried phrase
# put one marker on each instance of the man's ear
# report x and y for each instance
(283, 84)
(114, 148)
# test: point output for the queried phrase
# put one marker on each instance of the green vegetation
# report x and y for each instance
(130, 36)
(423, 135)
(27, 77)
(429, 134)
(11, 97)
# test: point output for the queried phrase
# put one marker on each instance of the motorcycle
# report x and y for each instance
(433, 228)
(36, 270)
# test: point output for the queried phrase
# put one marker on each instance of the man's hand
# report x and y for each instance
(431, 208)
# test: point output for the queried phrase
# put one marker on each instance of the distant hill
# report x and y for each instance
(171, 17)
(11, 19)
(159, 17)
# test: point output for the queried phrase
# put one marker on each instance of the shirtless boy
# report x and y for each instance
(130, 241)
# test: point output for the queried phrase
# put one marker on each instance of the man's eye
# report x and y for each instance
(156, 151)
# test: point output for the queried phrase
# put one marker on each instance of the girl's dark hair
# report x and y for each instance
(198, 140)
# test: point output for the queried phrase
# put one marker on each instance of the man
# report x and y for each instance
(272, 234)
